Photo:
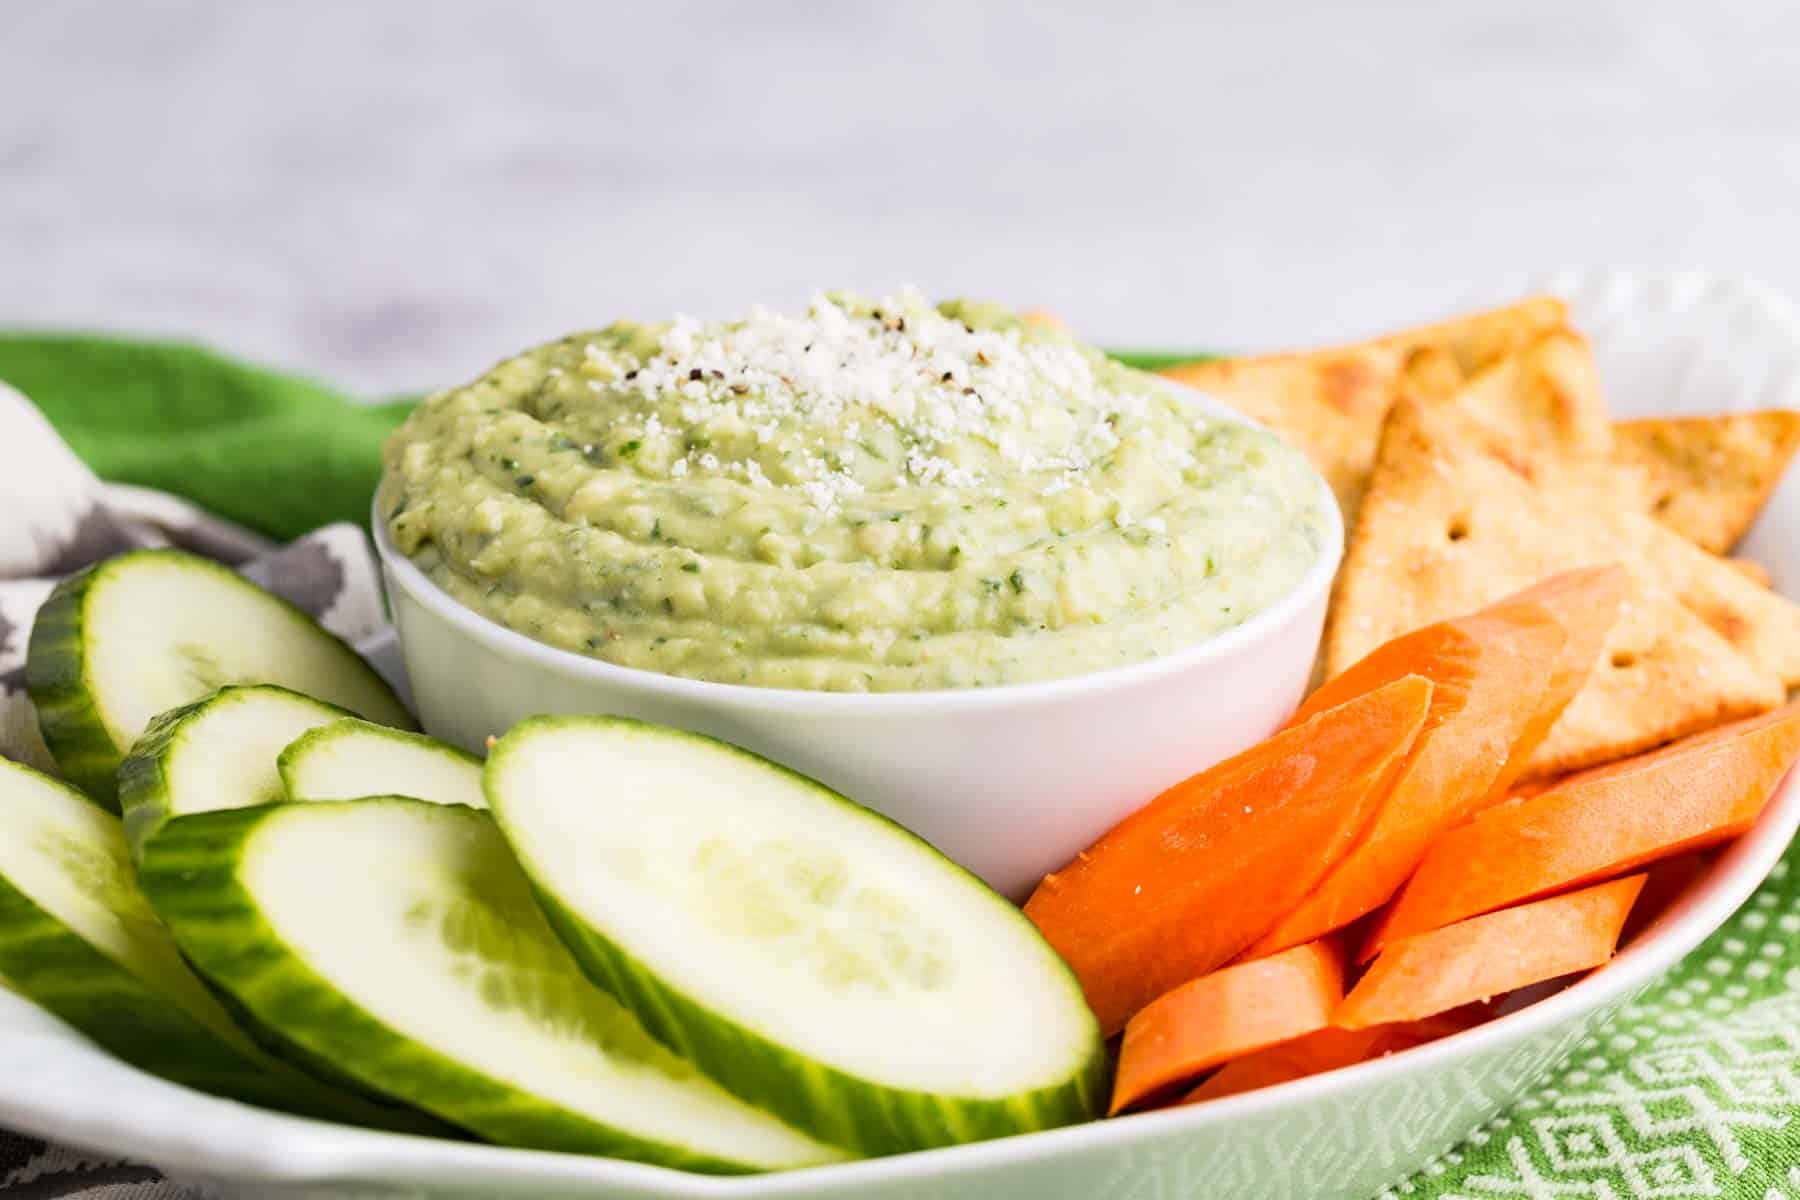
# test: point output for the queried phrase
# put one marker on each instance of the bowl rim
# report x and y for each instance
(1312, 586)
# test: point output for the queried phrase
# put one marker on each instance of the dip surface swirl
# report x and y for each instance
(867, 496)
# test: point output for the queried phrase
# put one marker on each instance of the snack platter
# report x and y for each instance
(1333, 987)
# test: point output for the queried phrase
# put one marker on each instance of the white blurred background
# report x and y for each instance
(393, 195)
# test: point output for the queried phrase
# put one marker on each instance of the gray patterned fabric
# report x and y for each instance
(56, 518)
(35, 1170)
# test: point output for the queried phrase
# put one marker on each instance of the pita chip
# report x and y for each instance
(1431, 373)
(1763, 625)
(1545, 396)
(1752, 570)
(1330, 404)
(1486, 337)
(1449, 525)
(1709, 476)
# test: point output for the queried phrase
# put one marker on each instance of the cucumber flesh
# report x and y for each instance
(224, 752)
(219, 752)
(78, 938)
(350, 759)
(811, 956)
(399, 939)
(152, 630)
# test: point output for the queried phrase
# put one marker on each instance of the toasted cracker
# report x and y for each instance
(1330, 404)
(1762, 625)
(1431, 372)
(1546, 396)
(1752, 570)
(1450, 525)
(1710, 476)
(1485, 337)
(1541, 412)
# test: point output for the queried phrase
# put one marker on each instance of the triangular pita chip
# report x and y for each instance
(1540, 411)
(1481, 338)
(1330, 404)
(1545, 396)
(1762, 625)
(1752, 570)
(1431, 373)
(1710, 476)
(1449, 525)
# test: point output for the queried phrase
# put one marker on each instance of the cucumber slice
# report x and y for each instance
(148, 631)
(350, 759)
(399, 939)
(78, 938)
(813, 957)
(219, 752)
(224, 752)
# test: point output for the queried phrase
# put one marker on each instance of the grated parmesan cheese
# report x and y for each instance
(825, 385)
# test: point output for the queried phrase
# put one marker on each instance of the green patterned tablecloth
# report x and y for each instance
(1693, 1092)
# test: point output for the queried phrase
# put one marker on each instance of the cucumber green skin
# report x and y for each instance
(284, 763)
(274, 1042)
(190, 873)
(857, 1114)
(59, 971)
(144, 794)
(56, 675)
(143, 784)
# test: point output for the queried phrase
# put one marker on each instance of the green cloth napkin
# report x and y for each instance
(280, 453)
(1694, 1091)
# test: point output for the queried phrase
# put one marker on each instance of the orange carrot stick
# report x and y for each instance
(1587, 603)
(1489, 672)
(1328, 1050)
(1226, 1014)
(1598, 824)
(1486, 956)
(1188, 881)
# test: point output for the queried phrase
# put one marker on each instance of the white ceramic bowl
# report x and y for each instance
(1009, 781)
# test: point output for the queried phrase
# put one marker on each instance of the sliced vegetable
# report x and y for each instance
(811, 956)
(1587, 602)
(398, 939)
(1328, 1050)
(348, 759)
(1488, 673)
(219, 752)
(78, 939)
(147, 631)
(1486, 956)
(1183, 884)
(1598, 824)
(1229, 1013)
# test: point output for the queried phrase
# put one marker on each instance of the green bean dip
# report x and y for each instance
(865, 496)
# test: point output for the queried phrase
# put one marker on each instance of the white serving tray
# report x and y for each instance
(1667, 344)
